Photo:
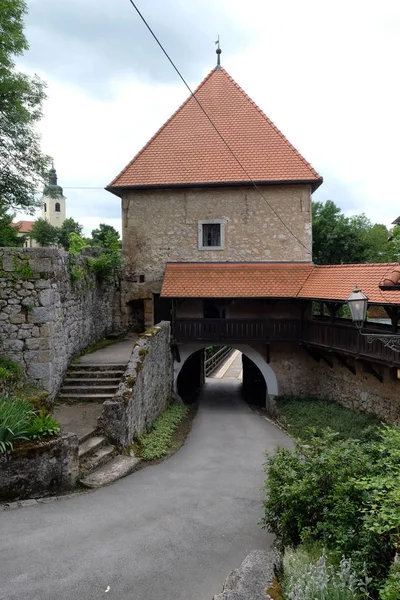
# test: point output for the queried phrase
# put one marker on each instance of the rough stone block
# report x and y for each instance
(41, 314)
(42, 284)
(13, 345)
(47, 297)
(41, 265)
(18, 318)
(32, 344)
(47, 330)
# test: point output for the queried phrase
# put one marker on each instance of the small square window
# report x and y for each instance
(211, 235)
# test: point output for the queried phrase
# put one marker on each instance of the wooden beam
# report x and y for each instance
(344, 362)
(175, 352)
(328, 361)
(368, 368)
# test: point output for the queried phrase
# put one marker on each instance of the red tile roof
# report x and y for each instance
(187, 150)
(230, 280)
(23, 226)
(277, 280)
(336, 282)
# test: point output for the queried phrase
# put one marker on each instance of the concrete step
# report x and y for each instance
(98, 459)
(94, 389)
(118, 467)
(107, 367)
(90, 446)
(91, 381)
(113, 374)
(86, 436)
(85, 397)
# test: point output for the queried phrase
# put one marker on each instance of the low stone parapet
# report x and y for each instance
(39, 468)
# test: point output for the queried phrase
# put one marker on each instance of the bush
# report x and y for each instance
(314, 495)
(15, 416)
(306, 578)
(10, 375)
(42, 426)
(157, 442)
(391, 587)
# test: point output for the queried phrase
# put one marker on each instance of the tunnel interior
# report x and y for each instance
(191, 379)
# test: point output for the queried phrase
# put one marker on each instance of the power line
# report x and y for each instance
(215, 127)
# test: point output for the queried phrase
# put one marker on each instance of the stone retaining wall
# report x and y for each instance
(145, 389)
(51, 308)
(39, 468)
(299, 374)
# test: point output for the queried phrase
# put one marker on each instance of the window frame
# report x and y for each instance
(57, 204)
(221, 223)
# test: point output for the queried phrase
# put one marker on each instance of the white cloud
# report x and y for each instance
(325, 73)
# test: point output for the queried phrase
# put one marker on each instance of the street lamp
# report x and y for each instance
(358, 304)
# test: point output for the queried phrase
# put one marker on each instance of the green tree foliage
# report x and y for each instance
(44, 233)
(104, 231)
(338, 239)
(8, 234)
(69, 226)
(23, 167)
(77, 243)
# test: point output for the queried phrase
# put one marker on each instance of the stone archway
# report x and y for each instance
(186, 350)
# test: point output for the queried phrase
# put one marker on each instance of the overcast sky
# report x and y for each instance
(326, 73)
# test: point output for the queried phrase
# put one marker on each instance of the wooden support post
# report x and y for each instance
(368, 368)
(344, 362)
(393, 312)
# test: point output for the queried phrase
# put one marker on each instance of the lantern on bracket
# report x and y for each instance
(357, 303)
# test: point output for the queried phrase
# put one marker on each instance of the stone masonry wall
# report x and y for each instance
(145, 389)
(51, 308)
(162, 225)
(299, 374)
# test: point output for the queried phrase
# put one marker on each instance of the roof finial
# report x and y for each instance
(218, 51)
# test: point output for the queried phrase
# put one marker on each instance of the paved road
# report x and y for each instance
(169, 532)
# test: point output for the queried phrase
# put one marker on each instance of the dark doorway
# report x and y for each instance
(136, 315)
(162, 308)
(254, 386)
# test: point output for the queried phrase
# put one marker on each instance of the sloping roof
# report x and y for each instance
(23, 226)
(187, 150)
(277, 280)
(396, 221)
(336, 282)
(234, 280)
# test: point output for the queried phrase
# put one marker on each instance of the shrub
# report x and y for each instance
(306, 578)
(42, 426)
(314, 496)
(10, 375)
(391, 588)
(15, 416)
(157, 442)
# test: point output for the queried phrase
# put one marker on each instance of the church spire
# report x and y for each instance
(218, 51)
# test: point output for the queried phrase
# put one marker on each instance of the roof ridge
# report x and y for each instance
(278, 131)
(160, 129)
(376, 264)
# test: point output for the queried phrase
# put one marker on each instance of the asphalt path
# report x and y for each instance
(172, 531)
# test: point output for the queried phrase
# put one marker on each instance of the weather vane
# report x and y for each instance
(218, 51)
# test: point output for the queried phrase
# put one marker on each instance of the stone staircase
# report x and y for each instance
(91, 383)
(99, 462)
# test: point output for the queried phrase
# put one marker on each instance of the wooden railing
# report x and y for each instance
(341, 337)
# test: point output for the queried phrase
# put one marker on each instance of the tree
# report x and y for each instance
(69, 226)
(334, 239)
(44, 233)
(8, 234)
(23, 167)
(99, 236)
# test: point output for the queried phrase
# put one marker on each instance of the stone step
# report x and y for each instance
(86, 436)
(90, 446)
(83, 389)
(98, 459)
(118, 467)
(85, 397)
(90, 381)
(89, 367)
(96, 374)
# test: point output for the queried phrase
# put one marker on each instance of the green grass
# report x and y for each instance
(157, 442)
(299, 414)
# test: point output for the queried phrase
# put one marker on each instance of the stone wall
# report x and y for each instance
(51, 308)
(145, 389)
(36, 469)
(299, 374)
(161, 225)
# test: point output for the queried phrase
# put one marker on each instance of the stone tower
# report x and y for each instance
(53, 201)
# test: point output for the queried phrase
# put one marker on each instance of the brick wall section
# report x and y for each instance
(145, 389)
(45, 317)
(298, 373)
(162, 225)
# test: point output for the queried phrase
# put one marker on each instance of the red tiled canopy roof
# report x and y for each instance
(336, 282)
(188, 151)
(23, 226)
(234, 280)
(277, 280)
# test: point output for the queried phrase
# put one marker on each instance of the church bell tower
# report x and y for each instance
(53, 201)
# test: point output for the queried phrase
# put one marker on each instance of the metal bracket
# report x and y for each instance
(389, 341)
